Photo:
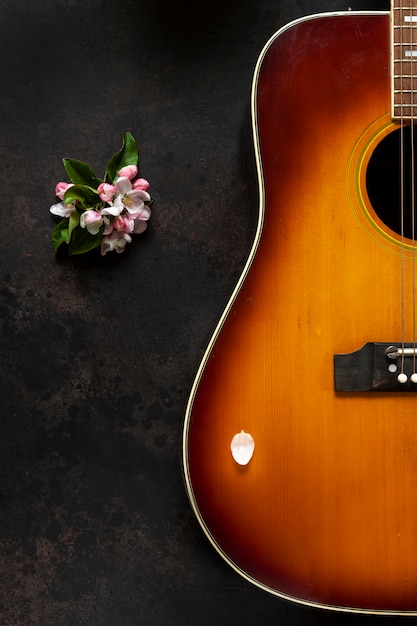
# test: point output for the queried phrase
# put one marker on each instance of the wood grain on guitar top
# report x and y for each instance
(326, 510)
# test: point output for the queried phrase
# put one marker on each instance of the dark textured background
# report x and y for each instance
(98, 355)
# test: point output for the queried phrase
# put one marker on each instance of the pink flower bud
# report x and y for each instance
(91, 220)
(129, 171)
(106, 191)
(91, 217)
(140, 183)
(61, 188)
(123, 223)
(118, 223)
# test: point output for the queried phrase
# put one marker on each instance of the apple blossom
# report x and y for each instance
(116, 241)
(61, 188)
(106, 191)
(129, 171)
(123, 223)
(92, 221)
(131, 199)
(102, 212)
(62, 210)
(140, 183)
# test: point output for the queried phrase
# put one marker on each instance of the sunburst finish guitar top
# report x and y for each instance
(325, 510)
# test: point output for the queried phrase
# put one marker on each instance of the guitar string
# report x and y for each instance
(413, 203)
(412, 178)
(409, 41)
(413, 240)
(412, 188)
(407, 118)
(402, 182)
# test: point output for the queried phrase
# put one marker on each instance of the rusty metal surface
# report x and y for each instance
(98, 354)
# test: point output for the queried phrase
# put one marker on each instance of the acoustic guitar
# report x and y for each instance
(300, 437)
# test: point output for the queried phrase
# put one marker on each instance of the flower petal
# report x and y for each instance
(114, 208)
(143, 213)
(139, 227)
(123, 185)
(139, 194)
(61, 209)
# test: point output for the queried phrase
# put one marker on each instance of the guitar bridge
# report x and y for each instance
(377, 367)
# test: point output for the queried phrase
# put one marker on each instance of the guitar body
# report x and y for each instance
(325, 512)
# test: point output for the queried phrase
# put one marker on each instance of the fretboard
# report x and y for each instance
(404, 59)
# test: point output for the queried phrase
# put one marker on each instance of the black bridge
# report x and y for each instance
(377, 367)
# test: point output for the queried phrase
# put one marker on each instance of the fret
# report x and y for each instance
(406, 67)
(405, 100)
(404, 59)
(405, 35)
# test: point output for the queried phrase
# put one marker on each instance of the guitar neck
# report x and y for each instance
(404, 59)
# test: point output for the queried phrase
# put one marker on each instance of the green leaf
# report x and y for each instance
(74, 221)
(87, 196)
(127, 155)
(60, 234)
(80, 173)
(82, 241)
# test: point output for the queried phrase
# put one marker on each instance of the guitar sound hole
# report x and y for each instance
(383, 181)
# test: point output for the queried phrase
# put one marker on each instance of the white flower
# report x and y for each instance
(62, 210)
(133, 200)
(92, 221)
(115, 241)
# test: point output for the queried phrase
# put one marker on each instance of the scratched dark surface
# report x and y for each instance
(98, 354)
